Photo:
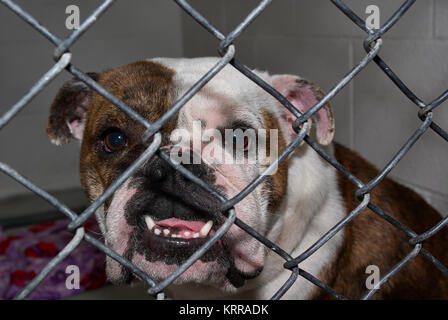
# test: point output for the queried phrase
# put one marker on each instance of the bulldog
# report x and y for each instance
(158, 218)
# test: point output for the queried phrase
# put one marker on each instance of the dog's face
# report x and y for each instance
(158, 218)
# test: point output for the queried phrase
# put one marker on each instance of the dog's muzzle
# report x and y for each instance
(173, 215)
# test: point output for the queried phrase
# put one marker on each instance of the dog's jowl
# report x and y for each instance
(226, 135)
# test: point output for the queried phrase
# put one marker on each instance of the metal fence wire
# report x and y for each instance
(226, 49)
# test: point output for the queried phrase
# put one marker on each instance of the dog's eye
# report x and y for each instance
(240, 141)
(114, 141)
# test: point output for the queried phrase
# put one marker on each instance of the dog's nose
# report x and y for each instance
(170, 194)
(157, 169)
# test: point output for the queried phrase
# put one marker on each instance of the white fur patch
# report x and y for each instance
(117, 231)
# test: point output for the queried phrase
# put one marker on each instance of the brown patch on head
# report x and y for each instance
(278, 182)
(147, 88)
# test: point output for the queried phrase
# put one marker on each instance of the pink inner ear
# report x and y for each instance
(77, 125)
(303, 98)
(77, 128)
(290, 118)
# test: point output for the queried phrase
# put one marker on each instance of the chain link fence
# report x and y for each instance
(372, 45)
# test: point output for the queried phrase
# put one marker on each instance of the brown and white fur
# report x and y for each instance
(294, 207)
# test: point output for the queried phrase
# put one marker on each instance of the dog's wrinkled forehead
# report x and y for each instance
(226, 98)
(151, 87)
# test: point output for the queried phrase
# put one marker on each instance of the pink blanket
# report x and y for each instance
(23, 255)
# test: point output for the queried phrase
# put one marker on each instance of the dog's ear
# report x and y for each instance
(303, 94)
(68, 111)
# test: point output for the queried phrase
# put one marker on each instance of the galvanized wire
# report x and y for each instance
(372, 44)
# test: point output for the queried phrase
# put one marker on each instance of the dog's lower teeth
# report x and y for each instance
(196, 235)
(157, 231)
(166, 232)
(186, 233)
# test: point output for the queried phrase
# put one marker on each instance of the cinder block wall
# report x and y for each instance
(313, 39)
(129, 31)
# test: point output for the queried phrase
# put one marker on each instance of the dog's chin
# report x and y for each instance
(159, 256)
(206, 273)
(211, 273)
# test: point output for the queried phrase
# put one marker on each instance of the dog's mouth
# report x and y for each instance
(173, 240)
(181, 230)
(159, 229)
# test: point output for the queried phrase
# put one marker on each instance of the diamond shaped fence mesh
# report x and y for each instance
(372, 45)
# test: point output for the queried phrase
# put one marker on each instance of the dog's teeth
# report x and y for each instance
(166, 232)
(149, 222)
(174, 236)
(186, 233)
(196, 235)
(157, 231)
(206, 228)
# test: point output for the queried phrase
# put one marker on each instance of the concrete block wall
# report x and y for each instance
(126, 33)
(312, 38)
